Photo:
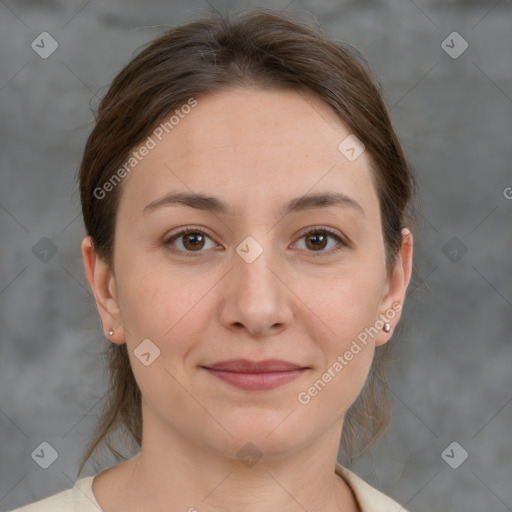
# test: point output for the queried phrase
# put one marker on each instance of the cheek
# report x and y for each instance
(348, 310)
(346, 303)
(164, 309)
(162, 305)
(346, 358)
(147, 306)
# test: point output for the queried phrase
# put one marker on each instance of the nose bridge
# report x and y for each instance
(253, 260)
(255, 297)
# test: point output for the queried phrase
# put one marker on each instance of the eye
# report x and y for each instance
(191, 240)
(317, 240)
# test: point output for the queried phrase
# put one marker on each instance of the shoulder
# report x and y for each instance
(369, 498)
(79, 498)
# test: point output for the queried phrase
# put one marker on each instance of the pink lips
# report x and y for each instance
(255, 375)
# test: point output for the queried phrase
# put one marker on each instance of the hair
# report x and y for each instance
(218, 52)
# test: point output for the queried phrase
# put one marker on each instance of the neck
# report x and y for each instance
(171, 473)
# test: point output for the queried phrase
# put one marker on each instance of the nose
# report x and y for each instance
(256, 296)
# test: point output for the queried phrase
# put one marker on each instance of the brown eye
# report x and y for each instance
(189, 240)
(193, 241)
(317, 240)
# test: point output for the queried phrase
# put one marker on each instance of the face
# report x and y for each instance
(254, 279)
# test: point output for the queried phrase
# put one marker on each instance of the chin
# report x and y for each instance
(264, 439)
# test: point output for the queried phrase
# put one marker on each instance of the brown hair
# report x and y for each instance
(254, 48)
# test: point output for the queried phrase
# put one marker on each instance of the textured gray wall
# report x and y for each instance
(454, 116)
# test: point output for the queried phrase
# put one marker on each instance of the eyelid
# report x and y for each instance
(331, 231)
(342, 241)
(185, 230)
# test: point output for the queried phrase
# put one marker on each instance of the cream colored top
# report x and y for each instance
(80, 497)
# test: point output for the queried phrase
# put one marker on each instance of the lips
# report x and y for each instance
(255, 375)
(247, 366)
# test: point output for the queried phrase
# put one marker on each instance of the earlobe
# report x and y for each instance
(397, 283)
(102, 282)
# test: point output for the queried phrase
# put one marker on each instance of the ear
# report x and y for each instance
(396, 288)
(103, 285)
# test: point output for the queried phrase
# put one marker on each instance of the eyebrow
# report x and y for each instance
(213, 204)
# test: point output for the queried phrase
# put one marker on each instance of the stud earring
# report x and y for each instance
(387, 327)
(111, 332)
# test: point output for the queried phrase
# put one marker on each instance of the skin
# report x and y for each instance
(255, 150)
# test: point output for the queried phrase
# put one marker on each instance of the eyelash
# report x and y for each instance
(315, 230)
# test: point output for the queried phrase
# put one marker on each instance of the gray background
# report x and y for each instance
(452, 381)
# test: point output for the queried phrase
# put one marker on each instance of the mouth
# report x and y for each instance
(254, 375)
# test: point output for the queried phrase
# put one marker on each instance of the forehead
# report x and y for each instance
(266, 145)
(291, 123)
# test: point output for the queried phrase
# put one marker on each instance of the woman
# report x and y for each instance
(249, 247)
